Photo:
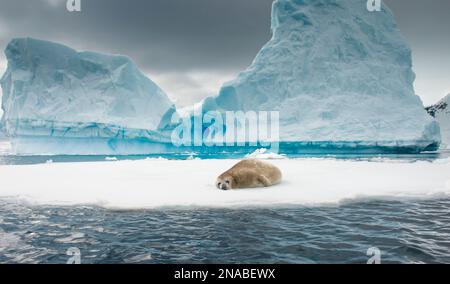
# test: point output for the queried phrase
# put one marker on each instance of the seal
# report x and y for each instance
(249, 174)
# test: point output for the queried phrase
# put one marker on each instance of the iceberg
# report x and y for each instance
(54, 95)
(441, 111)
(340, 76)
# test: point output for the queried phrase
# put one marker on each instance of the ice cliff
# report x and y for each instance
(337, 73)
(50, 90)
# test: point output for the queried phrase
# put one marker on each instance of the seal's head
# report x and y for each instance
(225, 182)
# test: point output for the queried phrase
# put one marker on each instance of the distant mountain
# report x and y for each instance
(441, 111)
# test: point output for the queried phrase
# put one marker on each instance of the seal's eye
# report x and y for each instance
(227, 182)
(219, 184)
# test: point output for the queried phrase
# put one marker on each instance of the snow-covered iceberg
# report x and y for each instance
(339, 75)
(441, 111)
(54, 95)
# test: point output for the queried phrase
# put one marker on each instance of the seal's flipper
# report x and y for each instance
(264, 181)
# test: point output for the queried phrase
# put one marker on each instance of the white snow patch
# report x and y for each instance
(110, 159)
(265, 154)
(162, 183)
(192, 157)
(156, 159)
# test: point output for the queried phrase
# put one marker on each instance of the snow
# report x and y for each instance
(336, 72)
(51, 90)
(159, 183)
(264, 153)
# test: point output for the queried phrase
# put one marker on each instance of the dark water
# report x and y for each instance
(405, 232)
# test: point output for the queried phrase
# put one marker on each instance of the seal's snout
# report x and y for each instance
(222, 186)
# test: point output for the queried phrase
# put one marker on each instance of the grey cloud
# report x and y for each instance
(170, 39)
(159, 34)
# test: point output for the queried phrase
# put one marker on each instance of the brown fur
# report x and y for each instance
(249, 174)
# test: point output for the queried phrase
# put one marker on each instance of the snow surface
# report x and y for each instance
(52, 90)
(336, 72)
(263, 153)
(156, 183)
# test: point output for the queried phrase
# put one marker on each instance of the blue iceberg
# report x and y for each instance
(60, 101)
(341, 78)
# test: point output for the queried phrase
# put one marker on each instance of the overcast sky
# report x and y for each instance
(190, 47)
